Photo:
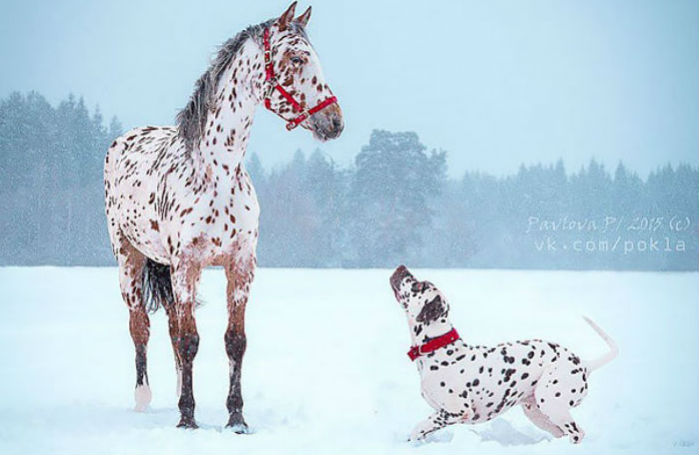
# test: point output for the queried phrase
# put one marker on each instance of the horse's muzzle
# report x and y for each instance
(328, 123)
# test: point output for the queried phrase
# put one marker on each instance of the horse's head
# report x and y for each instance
(295, 88)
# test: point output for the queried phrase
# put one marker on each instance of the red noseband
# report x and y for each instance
(273, 84)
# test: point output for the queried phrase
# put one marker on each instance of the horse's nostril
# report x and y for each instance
(337, 125)
(330, 126)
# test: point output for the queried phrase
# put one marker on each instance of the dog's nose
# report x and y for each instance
(398, 275)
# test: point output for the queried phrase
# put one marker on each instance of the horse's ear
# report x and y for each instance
(302, 20)
(287, 17)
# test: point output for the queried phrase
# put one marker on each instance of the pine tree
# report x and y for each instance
(393, 186)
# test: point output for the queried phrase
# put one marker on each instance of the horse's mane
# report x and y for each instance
(191, 120)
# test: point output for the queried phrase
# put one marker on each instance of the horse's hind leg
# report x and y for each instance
(131, 263)
(173, 327)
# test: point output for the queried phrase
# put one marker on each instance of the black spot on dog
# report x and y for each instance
(431, 311)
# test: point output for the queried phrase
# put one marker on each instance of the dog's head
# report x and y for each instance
(421, 300)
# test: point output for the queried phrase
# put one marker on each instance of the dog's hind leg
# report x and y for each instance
(436, 421)
(553, 399)
(540, 419)
(560, 417)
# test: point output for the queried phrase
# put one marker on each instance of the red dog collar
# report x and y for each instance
(273, 84)
(433, 344)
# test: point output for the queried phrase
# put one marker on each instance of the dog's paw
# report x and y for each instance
(435, 437)
(577, 438)
(416, 441)
(417, 435)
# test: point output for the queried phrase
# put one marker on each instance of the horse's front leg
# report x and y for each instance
(185, 277)
(239, 276)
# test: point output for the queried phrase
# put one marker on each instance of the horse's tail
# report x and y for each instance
(157, 286)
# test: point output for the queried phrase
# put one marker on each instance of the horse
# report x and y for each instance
(178, 198)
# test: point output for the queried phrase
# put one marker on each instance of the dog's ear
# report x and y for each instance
(431, 311)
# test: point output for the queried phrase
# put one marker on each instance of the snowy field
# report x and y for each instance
(326, 370)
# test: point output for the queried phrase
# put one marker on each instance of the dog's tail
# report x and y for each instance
(613, 348)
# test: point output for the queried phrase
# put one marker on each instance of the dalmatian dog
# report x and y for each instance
(473, 384)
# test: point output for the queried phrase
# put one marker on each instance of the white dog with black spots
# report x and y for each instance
(473, 384)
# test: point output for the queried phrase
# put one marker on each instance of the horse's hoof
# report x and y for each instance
(238, 425)
(239, 428)
(142, 396)
(188, 423)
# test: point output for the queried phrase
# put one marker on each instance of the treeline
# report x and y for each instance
(51, 191)
(394, 205)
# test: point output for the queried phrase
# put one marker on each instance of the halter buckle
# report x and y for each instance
(293, 123)
(269, 89)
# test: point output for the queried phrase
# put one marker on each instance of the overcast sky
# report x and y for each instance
(495, 83)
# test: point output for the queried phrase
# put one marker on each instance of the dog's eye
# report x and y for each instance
(296, 61)
(416, 287)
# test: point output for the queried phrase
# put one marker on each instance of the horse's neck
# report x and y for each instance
(225, 136)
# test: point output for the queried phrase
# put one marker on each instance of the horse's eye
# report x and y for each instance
(296, 60)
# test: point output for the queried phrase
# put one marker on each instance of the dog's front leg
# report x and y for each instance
(436, 421)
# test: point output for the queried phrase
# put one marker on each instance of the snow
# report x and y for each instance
(326, 370)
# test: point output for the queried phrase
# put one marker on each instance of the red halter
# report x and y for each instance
(273, 84)
(433, 344)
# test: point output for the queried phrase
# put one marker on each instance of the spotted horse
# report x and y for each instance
(178, 198)
(465, 383)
